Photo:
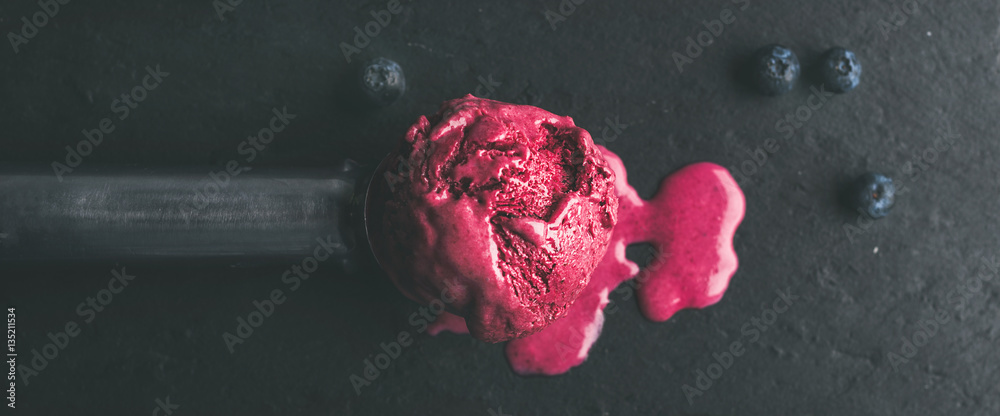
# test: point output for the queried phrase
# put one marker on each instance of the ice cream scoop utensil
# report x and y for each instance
(124, 214)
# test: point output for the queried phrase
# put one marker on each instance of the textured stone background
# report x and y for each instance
(929, 74)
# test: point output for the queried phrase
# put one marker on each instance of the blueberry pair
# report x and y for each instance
(775, 70)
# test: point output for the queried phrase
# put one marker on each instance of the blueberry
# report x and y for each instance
(840, 70)
(382, 81)
(775, 69)
(874, 194)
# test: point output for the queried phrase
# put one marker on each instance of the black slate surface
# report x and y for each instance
(928, 74)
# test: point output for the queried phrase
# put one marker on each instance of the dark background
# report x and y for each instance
(827, 355)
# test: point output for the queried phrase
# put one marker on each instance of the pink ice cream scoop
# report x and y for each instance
(501, 211)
